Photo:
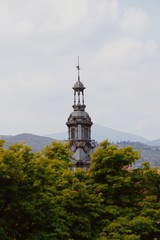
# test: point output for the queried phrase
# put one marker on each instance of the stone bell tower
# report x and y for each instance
(79, 128)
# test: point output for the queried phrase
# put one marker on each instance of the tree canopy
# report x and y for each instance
(41, 198)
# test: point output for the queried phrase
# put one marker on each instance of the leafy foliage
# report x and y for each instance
(41, 198)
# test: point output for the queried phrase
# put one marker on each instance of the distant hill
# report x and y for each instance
(36, 142)
(148, 153)
(154, 143)
(144, 146)
(99, 133)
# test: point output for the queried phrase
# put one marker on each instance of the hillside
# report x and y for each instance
(148, 153)
(99, 133)
(154, 143)
(36, 142)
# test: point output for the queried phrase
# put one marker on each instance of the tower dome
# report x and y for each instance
(78, 85)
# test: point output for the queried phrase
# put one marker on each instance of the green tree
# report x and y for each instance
(125, 192)
(41, 198)
(28, 198)
(112, 175)
(13, 175)
(82, 206)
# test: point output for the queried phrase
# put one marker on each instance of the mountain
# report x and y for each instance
(59, 136)
(99, 133)
(148, 153)
(154, 143)
(36, 142)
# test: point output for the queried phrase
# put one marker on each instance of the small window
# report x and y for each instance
(86, 133)
(72, 133)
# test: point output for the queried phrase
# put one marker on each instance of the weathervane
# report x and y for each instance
(78, 68)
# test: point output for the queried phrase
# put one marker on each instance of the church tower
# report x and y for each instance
(79, 128)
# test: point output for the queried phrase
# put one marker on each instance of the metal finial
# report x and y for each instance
(78, 68)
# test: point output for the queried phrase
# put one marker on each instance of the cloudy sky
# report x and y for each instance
(118, 42)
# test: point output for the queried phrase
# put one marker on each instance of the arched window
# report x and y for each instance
(72, 133)
(85, 133)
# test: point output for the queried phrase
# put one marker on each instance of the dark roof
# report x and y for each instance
(78, 85)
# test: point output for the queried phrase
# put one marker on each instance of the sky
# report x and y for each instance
(118, 42)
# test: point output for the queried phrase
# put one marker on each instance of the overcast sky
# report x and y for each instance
(118, 42)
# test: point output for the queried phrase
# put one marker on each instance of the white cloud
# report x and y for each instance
(126, 51)
(39, 44)
(134, 21)
(51, 16)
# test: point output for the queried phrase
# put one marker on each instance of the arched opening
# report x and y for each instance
(72, 133)
(86, 133)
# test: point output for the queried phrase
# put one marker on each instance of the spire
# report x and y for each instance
(78, 68)
(79, 128)
(78, 93)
